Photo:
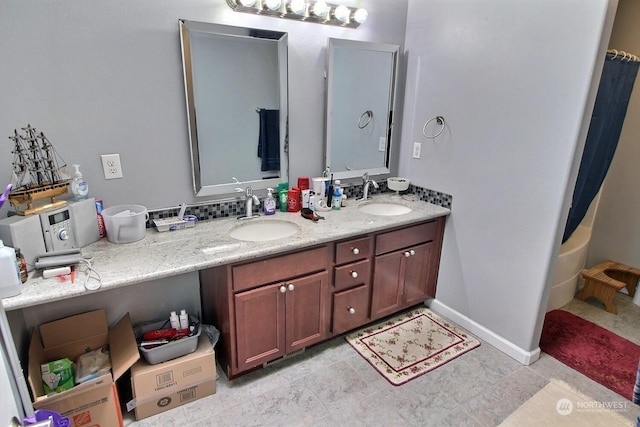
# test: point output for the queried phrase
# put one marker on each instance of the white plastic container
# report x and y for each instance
(125, 223)
(184, 320)
(10, 284)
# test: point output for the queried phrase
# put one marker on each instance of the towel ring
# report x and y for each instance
(440, 121)
(367, 115)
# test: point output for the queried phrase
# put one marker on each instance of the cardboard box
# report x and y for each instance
(95, 402)
(167, 385)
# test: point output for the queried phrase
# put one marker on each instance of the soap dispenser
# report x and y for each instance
(269, 203)
(79, 186)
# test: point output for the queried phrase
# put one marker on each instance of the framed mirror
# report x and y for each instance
(361, 89)
(236, 92)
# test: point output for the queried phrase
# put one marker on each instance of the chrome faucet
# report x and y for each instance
(249, 200)
(366, 181)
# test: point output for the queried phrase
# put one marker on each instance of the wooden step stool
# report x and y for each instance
(605, 279)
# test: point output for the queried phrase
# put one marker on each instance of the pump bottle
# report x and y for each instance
(79, 186)
(269, 203)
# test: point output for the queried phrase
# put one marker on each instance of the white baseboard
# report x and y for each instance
(510, 349)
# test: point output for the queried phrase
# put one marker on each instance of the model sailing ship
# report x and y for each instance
(39, 173)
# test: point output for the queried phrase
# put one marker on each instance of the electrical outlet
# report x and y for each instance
(111, 166)
(416, 150)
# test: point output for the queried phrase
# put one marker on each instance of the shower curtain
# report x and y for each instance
(616, 84)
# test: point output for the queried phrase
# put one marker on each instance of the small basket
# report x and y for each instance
(170, 350)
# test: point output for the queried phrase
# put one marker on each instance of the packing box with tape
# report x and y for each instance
(167, 385)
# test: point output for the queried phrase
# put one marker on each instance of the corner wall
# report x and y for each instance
(513, 81)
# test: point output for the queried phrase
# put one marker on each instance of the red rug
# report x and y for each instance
(592, 350)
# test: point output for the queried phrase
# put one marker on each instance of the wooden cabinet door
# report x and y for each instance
(307, 320)
(387, 284)
(418, 272)
(260, 334)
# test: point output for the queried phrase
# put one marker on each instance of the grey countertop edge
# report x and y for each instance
(162, 255)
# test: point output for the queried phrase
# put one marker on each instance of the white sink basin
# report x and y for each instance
(262, 231)
(384, 209)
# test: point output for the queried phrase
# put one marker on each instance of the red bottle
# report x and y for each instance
(303, 183)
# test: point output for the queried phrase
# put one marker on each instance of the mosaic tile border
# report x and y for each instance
(233, 208)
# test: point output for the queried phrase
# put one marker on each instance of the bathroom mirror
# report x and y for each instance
(236, 92)
(361, 88)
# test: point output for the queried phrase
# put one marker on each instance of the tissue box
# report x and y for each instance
(57, 376)
(172, 224)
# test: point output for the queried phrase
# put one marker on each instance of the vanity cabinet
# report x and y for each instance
(268, 308)
(405, 267)
(271, 307)
(351, 284)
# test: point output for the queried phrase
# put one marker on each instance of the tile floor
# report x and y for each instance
(331, 385)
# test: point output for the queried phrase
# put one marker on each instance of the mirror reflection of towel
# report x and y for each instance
(269, 139)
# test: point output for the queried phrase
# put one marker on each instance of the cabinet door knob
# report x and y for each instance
(354, 274)
(352, 310)
(291, 287)
(283, 289)
(355, 251)
(412, 252)
(407, 254)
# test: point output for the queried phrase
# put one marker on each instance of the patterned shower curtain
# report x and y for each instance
(616, 84)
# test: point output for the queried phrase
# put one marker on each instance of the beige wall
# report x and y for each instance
(616, 231)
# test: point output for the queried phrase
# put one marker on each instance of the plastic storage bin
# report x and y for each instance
(125, 223)
(170, 350)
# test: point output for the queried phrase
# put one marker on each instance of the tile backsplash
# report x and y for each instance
(232, 208)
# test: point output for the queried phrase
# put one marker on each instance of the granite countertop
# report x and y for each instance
(161, 255)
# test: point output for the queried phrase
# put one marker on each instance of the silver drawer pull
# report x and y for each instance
(355, 251)
(352, 310)
(407, 254)
(412, 252)
(283, 289)
(354, 274)
(291, 287)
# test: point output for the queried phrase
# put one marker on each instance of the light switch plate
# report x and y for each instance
(383, 144)
(416, 150)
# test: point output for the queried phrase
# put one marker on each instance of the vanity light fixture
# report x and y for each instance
(273, 4)
(318, 11)
(341, 13)
(298, 7)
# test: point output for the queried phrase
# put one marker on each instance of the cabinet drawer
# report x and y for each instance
(344, 275)
(350, 309)
(279, 268)
(353, 250)
(394, 240)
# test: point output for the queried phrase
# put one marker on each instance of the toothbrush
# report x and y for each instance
(4, 196)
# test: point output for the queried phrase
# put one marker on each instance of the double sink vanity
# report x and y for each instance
(272, 294)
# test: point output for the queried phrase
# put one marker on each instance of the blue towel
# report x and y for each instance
(269, 140)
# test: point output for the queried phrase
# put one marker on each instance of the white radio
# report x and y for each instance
(72, 226)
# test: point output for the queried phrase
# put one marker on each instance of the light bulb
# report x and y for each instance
(248, 3)
(360, 16)
(297, 6)
(320, 9)
(273, 4)
(342, 13)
